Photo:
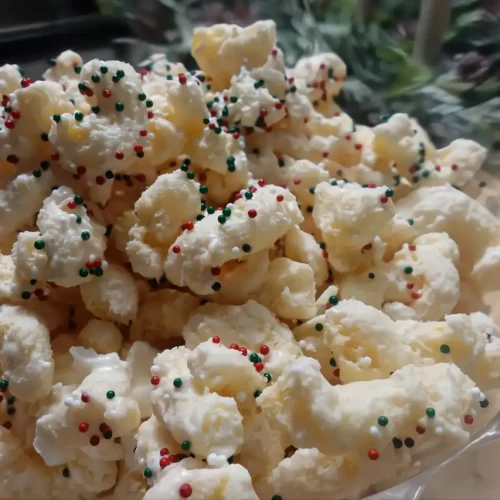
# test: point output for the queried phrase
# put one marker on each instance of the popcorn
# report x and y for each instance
(215, 284)
(25, 354)
(113, 297)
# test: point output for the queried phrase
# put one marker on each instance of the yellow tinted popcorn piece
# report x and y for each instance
(223, 49)
(102, 336)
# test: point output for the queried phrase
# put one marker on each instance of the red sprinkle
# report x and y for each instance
(7, 424)
(347, 137)
(26, 82)
(150, 114)
(155, 380)
(336, 372)
(469, 419)
(10, 124)
(325, 154)
(236, 135)
(259, 366)
(164, 451)
(81, 170)
(438, 168)
(358, 146)
(215, 271)
(176, 249)
(410, 285)
(216, 340)
(119, 155)
(189, 225)
(100, 180)
(384, 199)
(237, 196)
(454, 167)
(55, 157)
(274, 52)
(373, 454)
(243, 351)
(85, 397)
(412, 247)
(16, 114)
(164, 462)
(13, 159)
(264, 349)
(185, 491)
(261, 182)
(252, 213)
(83, 427)
(236, 347)
(322, 66)
(141, 177)
(263, 112)
(138, 148)
(412, 169)
(415, 295)
(420, 430)
(372, 185)
(143, 133)
(104, 428)
(279, 197)
(71, 204)
(106, 93)
(182, 78)
(278, 105)
(297, 181)
(94, 440)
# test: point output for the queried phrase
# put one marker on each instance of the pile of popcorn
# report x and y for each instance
(214, 284)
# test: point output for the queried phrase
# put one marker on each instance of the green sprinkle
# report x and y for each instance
(389, 193)
(110, 394)
(78, 116)
(430, 412)
(276, 497)
(445, 349)
(25, 295)
(119, 106)
(225, 111)
(371, 276)
(211, 210)
(98, 272)
(256, 394)
(190, 175)
(221, 219)
(230, 160)
(231, 168)
(258, 84)
(246, 248)
(206, 121)
(78, 199)
(4, 384)
(233, 99)
(11, 411)
(397, 443)
(120, 74)
(177, 382)
(37, 173)
(226, 212)
(108, 435)
(141, 96)
(109, 174)
(83, 272)
(383, 421)
(333, 362)
(85, 235)
(268, 377)
(312, 190)
(216, 286)
(248, 195)
(103, 69)
(78, 69)
(309, 209)
(56, 118)
(52, 61)
(409, 443)
(411, 222)
(255, 358)
(95, 78)
(186, 445)
(322, 245)
(149, 103)
(408, 270)
(78, 219)
(148, 472)
(39, 244)
(334, 300)
(484, 403)
(318, 327)
(203, 189)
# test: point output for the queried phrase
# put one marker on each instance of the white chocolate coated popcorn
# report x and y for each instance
(25, 353)
(215, 284)
(212, 244)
